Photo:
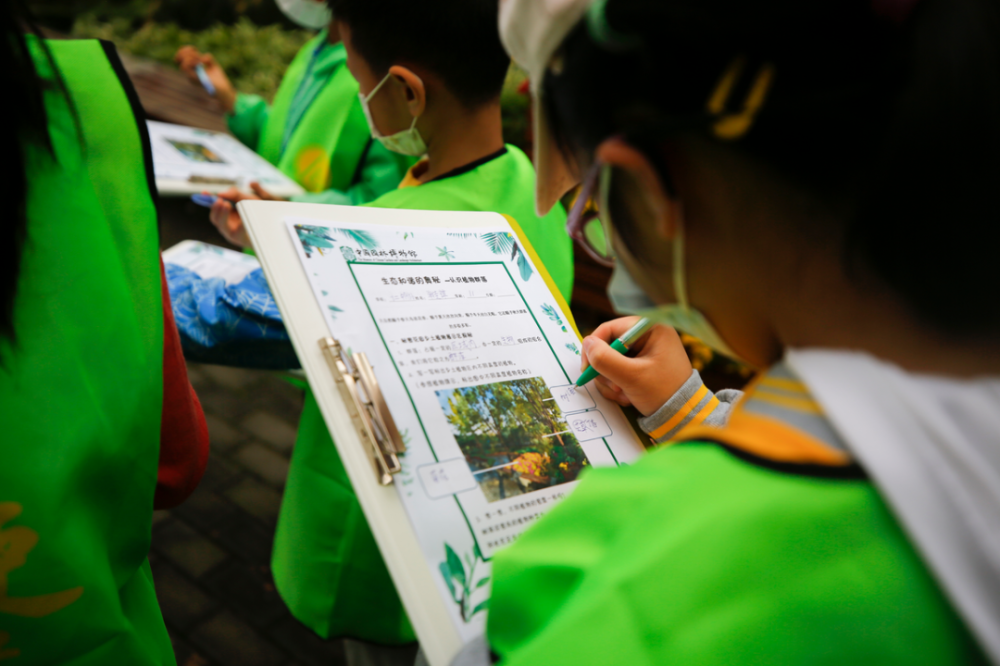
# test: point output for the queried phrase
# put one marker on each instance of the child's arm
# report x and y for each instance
(247, 117)
(658, 380)
(236, 324)
(692, 404)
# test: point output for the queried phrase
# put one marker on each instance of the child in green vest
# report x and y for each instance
(99, 425)
(809, 186)
(430, 75)
(314, 132)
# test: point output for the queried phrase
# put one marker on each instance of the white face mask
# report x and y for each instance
(405, 142)
(627, 297)
(313, 14)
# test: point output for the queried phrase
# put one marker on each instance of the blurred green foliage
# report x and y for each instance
(249, 38)
(189, 14)
(255, 57)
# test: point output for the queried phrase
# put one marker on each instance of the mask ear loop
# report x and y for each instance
(378, 87)
(374, 90)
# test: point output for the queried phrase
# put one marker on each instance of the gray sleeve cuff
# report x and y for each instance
(692, 404)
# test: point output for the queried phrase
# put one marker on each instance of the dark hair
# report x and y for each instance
(456, 39)
(885, 111)
(29, 126)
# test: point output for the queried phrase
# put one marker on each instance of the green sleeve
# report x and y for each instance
(248, 118)
(381, 172)
(692, 556)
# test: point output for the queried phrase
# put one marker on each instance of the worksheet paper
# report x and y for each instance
(476, 362)
(211, 261)
(211, 159)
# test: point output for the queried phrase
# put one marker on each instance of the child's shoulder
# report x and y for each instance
(482, 185)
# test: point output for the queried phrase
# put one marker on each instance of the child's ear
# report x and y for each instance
(413, 88)
(628, 161)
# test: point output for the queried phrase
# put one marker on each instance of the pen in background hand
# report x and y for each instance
(207, 200)
(621, 345)
(206, 82)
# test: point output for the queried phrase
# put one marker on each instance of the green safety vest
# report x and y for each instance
(330, 139)
(756, 543)
(81, 392)
(326, 564)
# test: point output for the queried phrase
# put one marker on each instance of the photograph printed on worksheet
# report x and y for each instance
(476, 360)
(191, 154)
(514, 437)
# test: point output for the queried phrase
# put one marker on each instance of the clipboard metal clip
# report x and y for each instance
(372, 419)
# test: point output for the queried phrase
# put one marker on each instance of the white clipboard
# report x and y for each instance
(305, 323)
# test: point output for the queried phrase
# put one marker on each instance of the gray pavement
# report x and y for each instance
(211, 555)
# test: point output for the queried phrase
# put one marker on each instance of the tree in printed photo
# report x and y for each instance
(513, 436)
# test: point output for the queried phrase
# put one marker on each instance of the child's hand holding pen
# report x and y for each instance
(655, 368)
(203, 69)
(224, 215)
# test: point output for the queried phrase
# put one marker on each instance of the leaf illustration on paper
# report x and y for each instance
(573, 348)
(444, 252)
(553, 314)
(499, 242)
(454, 564)
(334, 310)
(523, 266)
(461, 585)
(363, 238)
(313, 238)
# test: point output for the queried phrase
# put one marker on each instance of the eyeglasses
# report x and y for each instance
(584, 223)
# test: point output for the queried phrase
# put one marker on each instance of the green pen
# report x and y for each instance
(621, 345)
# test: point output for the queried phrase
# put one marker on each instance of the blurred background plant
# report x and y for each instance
(255, 57)
(251, 39)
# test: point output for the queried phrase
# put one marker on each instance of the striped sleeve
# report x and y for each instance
(693, 404)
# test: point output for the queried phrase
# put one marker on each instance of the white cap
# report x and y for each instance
(532, 31)
(313, 14)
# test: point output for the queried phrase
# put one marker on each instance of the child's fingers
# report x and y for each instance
(609, 363)
(233, 194)
(235, 223)
(607, 383)
(185, 54)
(613, 396)
(261, 192)
(219, 213)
